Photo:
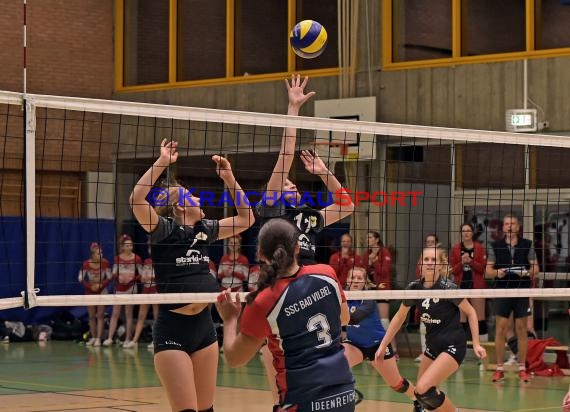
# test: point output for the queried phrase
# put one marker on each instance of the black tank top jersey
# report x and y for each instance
(180, 256)
(439, 315)
(307, 220)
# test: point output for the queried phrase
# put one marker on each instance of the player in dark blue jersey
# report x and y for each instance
(446, 342)
(184, 337)
(282, 199)
(364, 333)
(300, 311)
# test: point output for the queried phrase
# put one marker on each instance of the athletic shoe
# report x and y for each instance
(524, 376)
(418, 359)
(97, 343)
(129, 344)
(418, 407)
(512, 360)
(107, 342)
(6, 339)
(150, 346)
(90, 342)
(498, 376)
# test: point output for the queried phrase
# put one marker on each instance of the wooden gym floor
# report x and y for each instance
(66, 376)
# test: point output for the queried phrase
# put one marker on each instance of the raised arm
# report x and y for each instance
(280, 173)
(338, 210)
(231, 226)
(144, 211)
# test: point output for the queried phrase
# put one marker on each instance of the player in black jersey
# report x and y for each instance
(282, 199)
(184, 337)
(446, 342)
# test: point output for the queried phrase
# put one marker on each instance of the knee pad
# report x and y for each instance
(385, 323)
(210, 409)
(402, 387)
(483, 327)
(432, 399)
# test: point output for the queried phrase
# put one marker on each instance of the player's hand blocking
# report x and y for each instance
(227, 308)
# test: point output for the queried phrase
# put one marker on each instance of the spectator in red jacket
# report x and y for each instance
(95, 275)
(233, 269)
(345, 259)
(468, 261)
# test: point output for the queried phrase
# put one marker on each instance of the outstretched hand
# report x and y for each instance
(168, 153)
(227, 308)
(313, 163)
(223, 167)
(296, 89)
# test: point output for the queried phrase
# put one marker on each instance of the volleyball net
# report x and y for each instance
(70, 164)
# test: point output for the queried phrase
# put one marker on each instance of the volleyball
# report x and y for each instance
(308, 39)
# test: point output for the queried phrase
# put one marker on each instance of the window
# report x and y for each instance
(431, 33)
(549, 167)
(145, 42)
(421, 30)
(490, 26)
(164, 43)
(201, 45)
(325, 12)
(490, 166)
(261, 37)
(551, 22)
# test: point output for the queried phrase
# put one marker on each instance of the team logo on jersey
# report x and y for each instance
(201, 236)
(452, 349)
(193, 257)
(305, 243)
(353, 309)
(313, 221)
(427, 319)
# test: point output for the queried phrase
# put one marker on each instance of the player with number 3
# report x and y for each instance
(300, 311)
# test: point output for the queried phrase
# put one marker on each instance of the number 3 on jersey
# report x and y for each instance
(320, 324)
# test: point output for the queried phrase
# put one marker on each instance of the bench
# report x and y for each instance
(490, 362)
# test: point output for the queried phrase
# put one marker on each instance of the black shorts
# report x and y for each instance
(519, 307)
(370, 352)
(454, 346)
(174, 331)
(338, 399)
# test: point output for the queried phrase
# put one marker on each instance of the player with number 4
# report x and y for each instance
(446, 342)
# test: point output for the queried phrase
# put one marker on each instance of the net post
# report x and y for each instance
(30, 200)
